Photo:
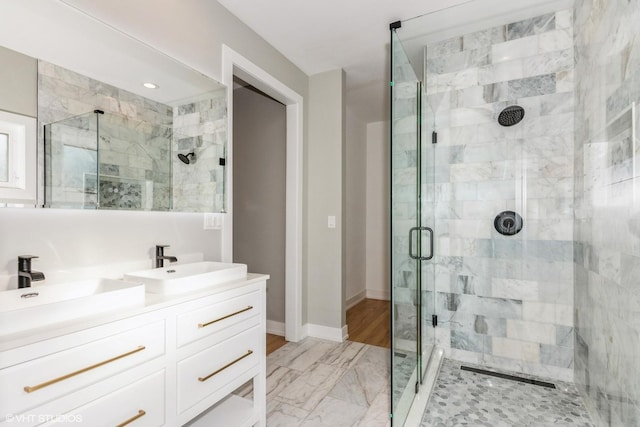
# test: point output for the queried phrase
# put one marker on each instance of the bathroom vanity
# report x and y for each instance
(174, 360)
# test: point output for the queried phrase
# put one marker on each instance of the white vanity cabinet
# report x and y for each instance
(174, 362)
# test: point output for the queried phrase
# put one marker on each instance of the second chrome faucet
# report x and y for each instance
(160, 256)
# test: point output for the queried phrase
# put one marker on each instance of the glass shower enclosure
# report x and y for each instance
(100, 160)
(412, 244)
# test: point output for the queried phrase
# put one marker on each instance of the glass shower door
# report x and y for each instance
(406, 235)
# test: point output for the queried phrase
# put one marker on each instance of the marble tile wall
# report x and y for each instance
(404, 195)
(607, 209)
(404, 189)
(135, 134)
(200, 127)
(503, 301)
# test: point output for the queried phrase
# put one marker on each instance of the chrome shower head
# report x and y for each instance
(184, 158)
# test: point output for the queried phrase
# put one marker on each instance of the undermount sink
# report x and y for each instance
(177, 279)
(26, 308)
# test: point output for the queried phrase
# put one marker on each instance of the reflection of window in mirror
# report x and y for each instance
(17, 160)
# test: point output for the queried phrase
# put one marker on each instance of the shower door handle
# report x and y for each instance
(420, 229)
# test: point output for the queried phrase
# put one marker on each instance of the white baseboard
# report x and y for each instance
(325, 332)
(275, 328)
(376, 294)
(356, 299)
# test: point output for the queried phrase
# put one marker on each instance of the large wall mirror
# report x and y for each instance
(120, 125)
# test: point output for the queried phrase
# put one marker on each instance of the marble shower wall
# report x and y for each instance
(200, 127)
(607, 209)
(503, 301)
(135, 136)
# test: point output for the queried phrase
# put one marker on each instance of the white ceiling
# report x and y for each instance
(322, 35)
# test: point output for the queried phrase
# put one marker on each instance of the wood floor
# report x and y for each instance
(274, 342)
(367, 321)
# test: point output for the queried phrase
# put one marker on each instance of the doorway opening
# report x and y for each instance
(259, 202)
(234, 64)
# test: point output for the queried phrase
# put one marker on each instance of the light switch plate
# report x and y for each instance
(331, 221)
(213, 221)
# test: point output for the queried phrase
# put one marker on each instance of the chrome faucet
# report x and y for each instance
(160, 256)
(25, 274)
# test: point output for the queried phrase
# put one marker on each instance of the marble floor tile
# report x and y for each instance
(302, 355)
(319, 383)
(378, 413)
(345, 354)
(311, 386)
(333, 412)
(348, 385)
(282, 415)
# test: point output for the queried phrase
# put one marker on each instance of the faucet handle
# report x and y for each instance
(24, 262)
(163, 246)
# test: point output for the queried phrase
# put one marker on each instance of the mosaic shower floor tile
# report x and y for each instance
(463, 398)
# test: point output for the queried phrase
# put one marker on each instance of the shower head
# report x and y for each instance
(184, 158)
(511, 115)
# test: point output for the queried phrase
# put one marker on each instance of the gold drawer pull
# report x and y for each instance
(202, 325)
(30, 389)
(203, 379)
(141, 414)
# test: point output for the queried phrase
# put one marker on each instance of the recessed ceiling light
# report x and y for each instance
(150, 85)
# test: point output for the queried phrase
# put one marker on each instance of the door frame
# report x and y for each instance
(235, 64)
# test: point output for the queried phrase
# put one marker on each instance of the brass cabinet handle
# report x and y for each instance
(202, 325)
(247, 354)
(140, 414)
(30, 389)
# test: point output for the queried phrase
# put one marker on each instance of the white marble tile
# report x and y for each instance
(282, 415)
(455, 81)
(501, 72)
(519, 350)
(555, 40)
(344, 355)
(302, 355)
(307, 390)
(564, 19)
(515, 289)
(514, 49)
(378, 413)
(559, 314)
(521, 330)
(334, 413)
(279, 378)
(546, 63)
(471, 172)
(360, 385)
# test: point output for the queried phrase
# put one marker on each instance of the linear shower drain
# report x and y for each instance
(508, 377)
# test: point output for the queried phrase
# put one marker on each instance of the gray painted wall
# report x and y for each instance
(325, 297)
(18, 83)
(356, 209)
(259, 191)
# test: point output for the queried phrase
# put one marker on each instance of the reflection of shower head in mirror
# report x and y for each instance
(184, 158)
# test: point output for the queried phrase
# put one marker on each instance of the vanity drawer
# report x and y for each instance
(216, 317)
(50, 377)
(139, 404)
(205, 372)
